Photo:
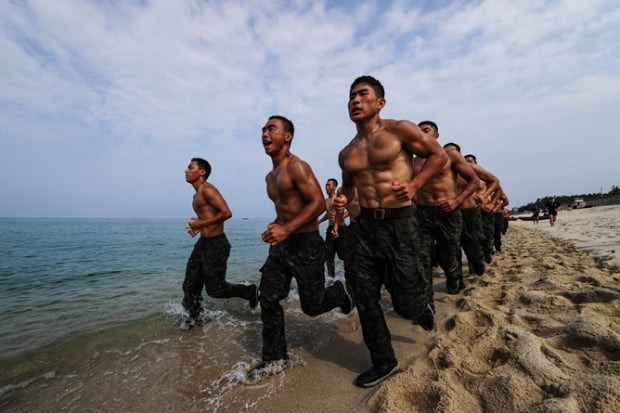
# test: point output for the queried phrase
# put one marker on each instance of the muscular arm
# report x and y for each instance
(502, 199)
(424, 146)
(212, 209)
(310, 191)
(491, 180)
(463, 169)
(347, 190)
(312, 204)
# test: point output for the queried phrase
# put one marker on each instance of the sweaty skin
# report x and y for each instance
(441, 190)
(488, 192)
(210, 207)
(487, 183)
(292, 187)
(378, 161)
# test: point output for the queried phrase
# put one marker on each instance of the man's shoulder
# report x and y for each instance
(295, 161)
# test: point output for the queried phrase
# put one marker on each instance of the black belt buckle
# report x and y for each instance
(378, 213)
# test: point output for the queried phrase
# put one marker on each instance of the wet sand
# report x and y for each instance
(539, 332)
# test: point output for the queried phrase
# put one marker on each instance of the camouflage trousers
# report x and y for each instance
(498, 230)
(488, 231)
(334, 246)
(300, 256)
(206, 267)
(440, 231)
(471, 240)
(385, 252)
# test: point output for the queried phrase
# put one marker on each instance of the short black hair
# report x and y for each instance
(372, 82)
(334, 180)
(471, 156)
(288, 125)
(429, 122)
(203, 164)
(458, 148)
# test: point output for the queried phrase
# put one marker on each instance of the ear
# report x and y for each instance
(288, 137)
(381, 103)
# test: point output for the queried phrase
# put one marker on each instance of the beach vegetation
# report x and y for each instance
(590, 200)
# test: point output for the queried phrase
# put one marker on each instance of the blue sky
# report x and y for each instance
(103, 103)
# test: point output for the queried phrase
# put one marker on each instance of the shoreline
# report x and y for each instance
(538, 332)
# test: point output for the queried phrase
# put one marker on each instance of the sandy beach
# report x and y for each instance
(539, 332)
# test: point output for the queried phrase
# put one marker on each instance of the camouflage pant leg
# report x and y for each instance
(206, 267)
(488, 225)
(498, 229)
(385, 252)
(449, 245)
(345, 250)
(426, 237)
(301, 256)
(330, 251)
(441, 231)
(471, 239)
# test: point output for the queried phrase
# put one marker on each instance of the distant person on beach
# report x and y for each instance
(552, 209)
(377, 165)
(335, 229)
(535, 214)
(437, 211)
(207, 264)
(296, 248)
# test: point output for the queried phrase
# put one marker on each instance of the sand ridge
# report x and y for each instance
(539, 332)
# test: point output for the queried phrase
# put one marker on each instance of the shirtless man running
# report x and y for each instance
(486, 198)
(296, 248)
(207, 264)
(438, 215)
(472, 237)
(336, 230)
(378, 165)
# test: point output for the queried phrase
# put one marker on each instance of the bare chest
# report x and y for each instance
(374, 154)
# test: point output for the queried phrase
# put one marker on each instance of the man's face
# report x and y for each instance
(363, 102)
(429, 130)
(330, 187)
(470, 160)
(274, 136)
(193, 172)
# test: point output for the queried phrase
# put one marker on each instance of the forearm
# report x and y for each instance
(468, 190)
(432, 165)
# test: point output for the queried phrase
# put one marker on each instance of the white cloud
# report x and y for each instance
(124, 93)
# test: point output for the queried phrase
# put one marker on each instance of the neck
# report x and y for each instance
(368, 127)
(197, 184)
(281, 157)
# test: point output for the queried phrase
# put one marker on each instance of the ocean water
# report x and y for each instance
(90, 314)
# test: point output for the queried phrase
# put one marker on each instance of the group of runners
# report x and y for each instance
(411, 204)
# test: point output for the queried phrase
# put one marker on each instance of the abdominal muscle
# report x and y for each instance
(375, 189)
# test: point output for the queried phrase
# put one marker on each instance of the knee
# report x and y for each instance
(404, 311)
(215, 291)
(310, 307)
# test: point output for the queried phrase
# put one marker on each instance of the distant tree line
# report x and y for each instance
(611, 197)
